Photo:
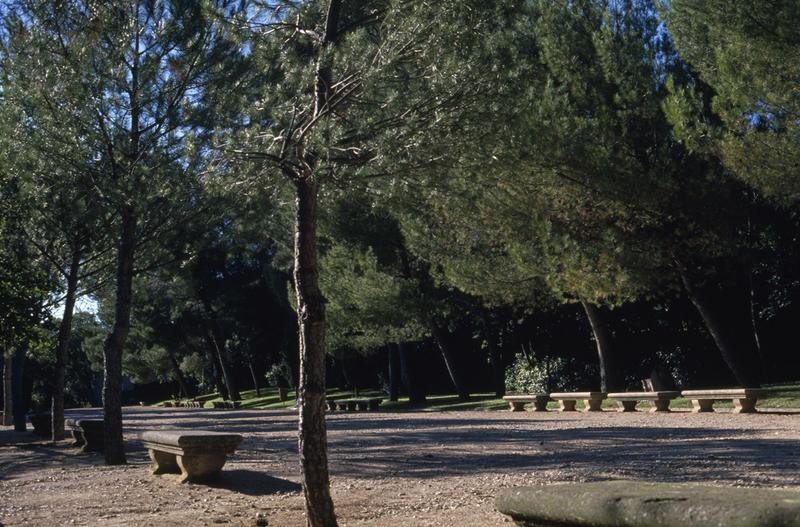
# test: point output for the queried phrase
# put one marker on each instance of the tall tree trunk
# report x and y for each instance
(18, 389)
(64, 330)
(256, 385)
(725, 310)
(8, 397)
(213, 361)
(227, 374)
(498, 370)
(416, 395)
(394, 373)
(115, 342)
(610, 377)
(176, 368)
(449, 361)
(311, 391)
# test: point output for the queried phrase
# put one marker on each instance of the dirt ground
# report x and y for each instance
(392, 469)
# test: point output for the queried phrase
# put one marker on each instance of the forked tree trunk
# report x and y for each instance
(416, 395)
(394, 373)
(64, 330)
(498, 370)
(725, 310)
(449, 361)
(115, 342)
(610, 376)
(8, 397)
(17, 389)
(213, 361)
(176, 368)
(227, 374)
(311, 391)
(256, 384)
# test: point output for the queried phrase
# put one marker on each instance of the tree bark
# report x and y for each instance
(64, 330)
(394, 373)
(449, 361)
(610, 375)
(8, 397)
(311, 391)
(213, 361)
(498, 369)
(256, 385)
(725, 310)
(18, 389)
(416, 394)
(227, 374)
(115, 342)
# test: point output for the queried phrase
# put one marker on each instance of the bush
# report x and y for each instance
(545, 375)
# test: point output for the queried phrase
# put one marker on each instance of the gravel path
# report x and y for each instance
(398, 469)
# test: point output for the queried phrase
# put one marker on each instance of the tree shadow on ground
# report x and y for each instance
(254, 483)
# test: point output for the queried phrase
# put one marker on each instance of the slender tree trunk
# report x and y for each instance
(213, 361)
(227, 374)
(8, 397)
(449, 361)
(726, 314)
(64, 330)
(394, 373)
(610, 378)
(415, 393)
(256, 385)
(498, 370)
(311, 392)
(18, 389)
(115, 342)
(176, 368)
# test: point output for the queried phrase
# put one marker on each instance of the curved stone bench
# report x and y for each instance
(641, 504)
(744, 399)
(592, 401)
(627, 401)
(87, 433)
(196, 454)
(517, 403)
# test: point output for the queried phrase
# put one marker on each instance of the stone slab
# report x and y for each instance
(577, 395)
(643, 396)
(192, 439)
(644, 504)
(724, 393)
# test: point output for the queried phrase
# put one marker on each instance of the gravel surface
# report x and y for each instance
(393, 469)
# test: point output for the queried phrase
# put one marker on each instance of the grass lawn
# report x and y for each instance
(786, 395)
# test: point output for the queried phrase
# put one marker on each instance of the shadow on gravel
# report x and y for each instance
(254, 483)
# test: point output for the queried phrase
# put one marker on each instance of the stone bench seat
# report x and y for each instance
(197, 455)
(87, 433)
(517, 403)
(627, 401)
(648, 504)
(226, 404)
(592, 401)
(744, 399)
(366, 404)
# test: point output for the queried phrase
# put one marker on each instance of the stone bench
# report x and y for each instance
(627, 401)
(744, 399)
(368, 404)
(87, 433)
(592, 401)
(517, 403)
(195, 454)
(226, 404)
(645, 504)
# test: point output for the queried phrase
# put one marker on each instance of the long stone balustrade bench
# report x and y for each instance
(648, 504)
(744, 399)
(627, 401)
(592, 401)
(197, 455)
(517, 403)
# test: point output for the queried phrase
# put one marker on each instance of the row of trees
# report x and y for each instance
(453, 166)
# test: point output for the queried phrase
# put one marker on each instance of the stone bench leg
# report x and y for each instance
(744, 406)
(626, 406)
(566, 405)
(372, 406)
(516, 406)
(592, 405)
(200, 467)
(702, 405)
(660, 405)
(163, 462)
(79, 440)
(361, 407)
(540, 405)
